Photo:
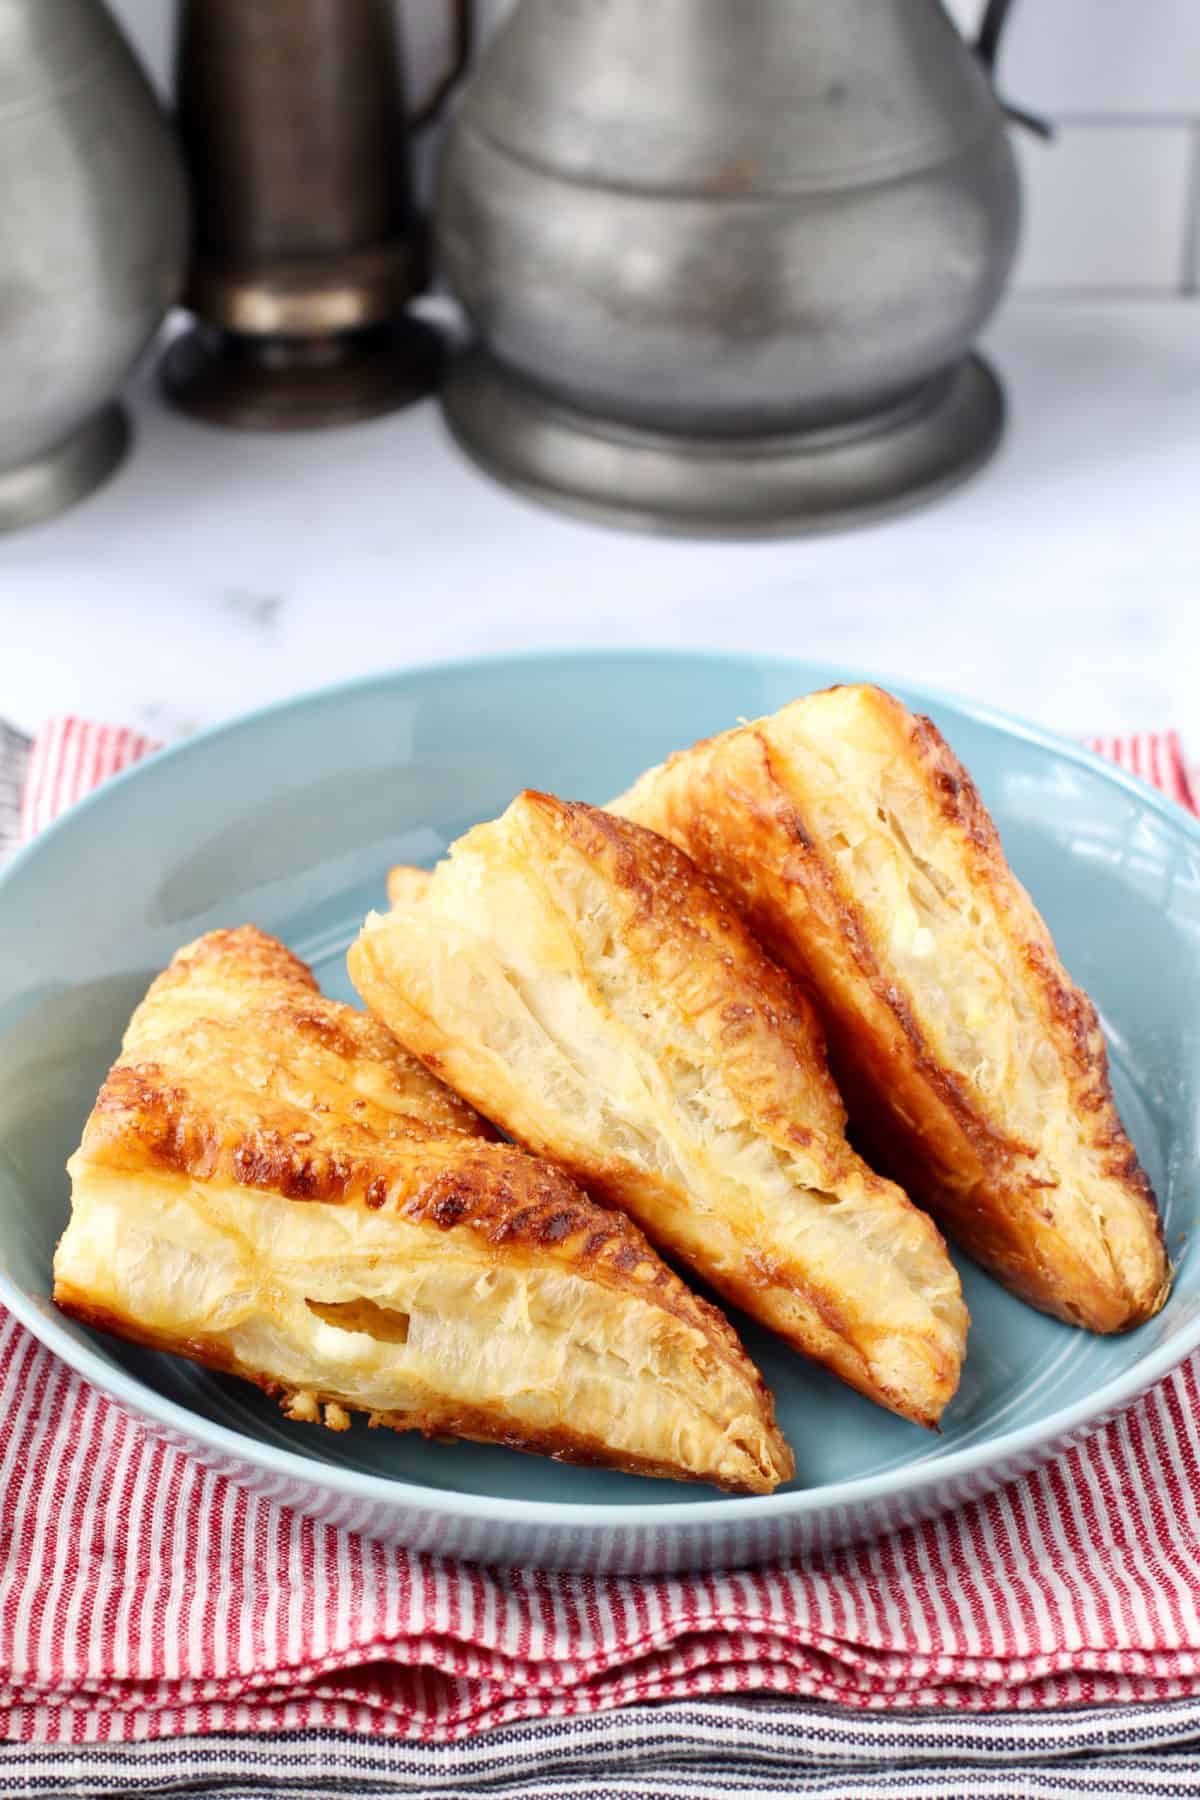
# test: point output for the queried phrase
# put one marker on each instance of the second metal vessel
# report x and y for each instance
(308, 243)
(726, 263)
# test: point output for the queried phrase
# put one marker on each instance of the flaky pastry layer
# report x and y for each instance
(583, 983)
(858, 848)
(269, 1185)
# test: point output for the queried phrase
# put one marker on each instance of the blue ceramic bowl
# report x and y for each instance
(290, 817)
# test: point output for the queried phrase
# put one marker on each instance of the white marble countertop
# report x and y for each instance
(221, 570)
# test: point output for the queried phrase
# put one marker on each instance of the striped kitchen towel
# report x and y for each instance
(67, 759)
(143, 1597)
(679, 1750)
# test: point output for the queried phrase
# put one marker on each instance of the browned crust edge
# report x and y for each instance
(474, 1423)
(660, 878)
(147, 1118)
(505, 1198)
(1072, 1013)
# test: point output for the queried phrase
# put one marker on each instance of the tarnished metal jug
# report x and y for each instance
(726, 263)
(308, 244)
(93, 243)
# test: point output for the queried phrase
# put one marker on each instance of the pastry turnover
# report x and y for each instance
(859, 850)
(584, 984)
(270, 1186)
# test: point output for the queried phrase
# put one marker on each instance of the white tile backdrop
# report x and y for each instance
(1112, 204)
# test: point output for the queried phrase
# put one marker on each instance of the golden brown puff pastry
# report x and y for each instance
(269, 1185)
(975, 1072)
(582, 982)
(329, 1059)
(405, 883)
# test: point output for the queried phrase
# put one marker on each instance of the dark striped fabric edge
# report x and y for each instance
(14, 761)
(690, 1750)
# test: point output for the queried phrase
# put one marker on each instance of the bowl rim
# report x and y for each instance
(896, 1482)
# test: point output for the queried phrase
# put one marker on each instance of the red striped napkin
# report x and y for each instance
(144, 1596)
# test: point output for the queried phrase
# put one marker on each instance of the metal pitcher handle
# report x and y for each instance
(462, 35)
(987, 45)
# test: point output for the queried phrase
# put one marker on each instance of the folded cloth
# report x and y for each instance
(680, 1750)
(14, 760)
(143, 1596)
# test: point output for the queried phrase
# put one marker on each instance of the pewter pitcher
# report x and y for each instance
(699, 220)
(93, 239)
(308, 245)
